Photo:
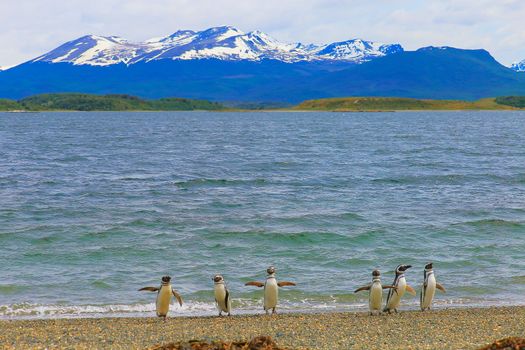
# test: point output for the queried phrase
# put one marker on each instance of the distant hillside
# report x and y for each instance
(398, 104)
(9, 105)
(429, 73)
(514, 101)
(88, 102)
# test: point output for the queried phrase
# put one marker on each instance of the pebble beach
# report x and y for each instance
(465, 328)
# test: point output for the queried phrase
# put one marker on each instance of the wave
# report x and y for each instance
(72, 158)
(10, 289)
(101, 285)
(285, 237)
(451, 179)
(346, 216)
(423, 179)
(189, 308)
(487, 223)
(518, 279)
(520, 179)
(207, 182)
(335, 303)
(55, 311)
(368, 236)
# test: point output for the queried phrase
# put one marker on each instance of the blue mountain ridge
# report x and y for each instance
(440, 73)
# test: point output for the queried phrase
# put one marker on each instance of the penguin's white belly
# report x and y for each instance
(220, 296)
(271, 291)
(376, 297)
(395, 299)
(429, 292)
(163, 301)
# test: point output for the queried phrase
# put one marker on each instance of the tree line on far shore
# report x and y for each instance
(88, 102)
(116, 102)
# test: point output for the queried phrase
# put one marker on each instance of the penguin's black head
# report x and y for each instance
(428, 266)
(376, 273)
(217, 278)
(166, 279)
(270, 270)
(402, 268)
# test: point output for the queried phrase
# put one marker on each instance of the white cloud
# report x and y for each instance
(30, 28)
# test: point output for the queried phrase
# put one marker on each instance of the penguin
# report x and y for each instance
(271, 289)
(375, 294)
(164, 293)
(222, 295)
(394, 298)
(429, 288)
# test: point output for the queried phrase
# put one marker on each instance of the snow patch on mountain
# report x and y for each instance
(224, 43)
(518, 66)
(356, 50)
(94, 50)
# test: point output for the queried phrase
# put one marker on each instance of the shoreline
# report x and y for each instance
(271, 111)
(447, 328)
(254, 310)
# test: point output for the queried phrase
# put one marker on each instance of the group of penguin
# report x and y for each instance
(398, 288)
(271, 291)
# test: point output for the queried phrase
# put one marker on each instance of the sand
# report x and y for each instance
(466, 328)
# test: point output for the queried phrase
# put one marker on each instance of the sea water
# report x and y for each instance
(94, 206)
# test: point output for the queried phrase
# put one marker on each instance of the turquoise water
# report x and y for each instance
(94, 206)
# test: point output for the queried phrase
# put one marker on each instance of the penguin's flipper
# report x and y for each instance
(254, 283)
(149, 289)
(440, 287)
(226, 298)
(177, 296)
(389, 295)
(362, 288)
(411, 290)
(284, 284)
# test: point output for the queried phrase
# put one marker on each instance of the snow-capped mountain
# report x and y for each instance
(356, 50)
(223, 43)
(518, 66)
(94, 50)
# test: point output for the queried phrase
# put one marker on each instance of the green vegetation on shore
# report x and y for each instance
(513, 101)
(88, 102)
(398, 104)
(9, 105)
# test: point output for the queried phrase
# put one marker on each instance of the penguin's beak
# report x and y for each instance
(408, 266)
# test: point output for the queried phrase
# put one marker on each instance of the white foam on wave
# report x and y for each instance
(189, 308)
(198, 308)
(27, 310)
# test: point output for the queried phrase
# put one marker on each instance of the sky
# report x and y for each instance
(29, 28)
